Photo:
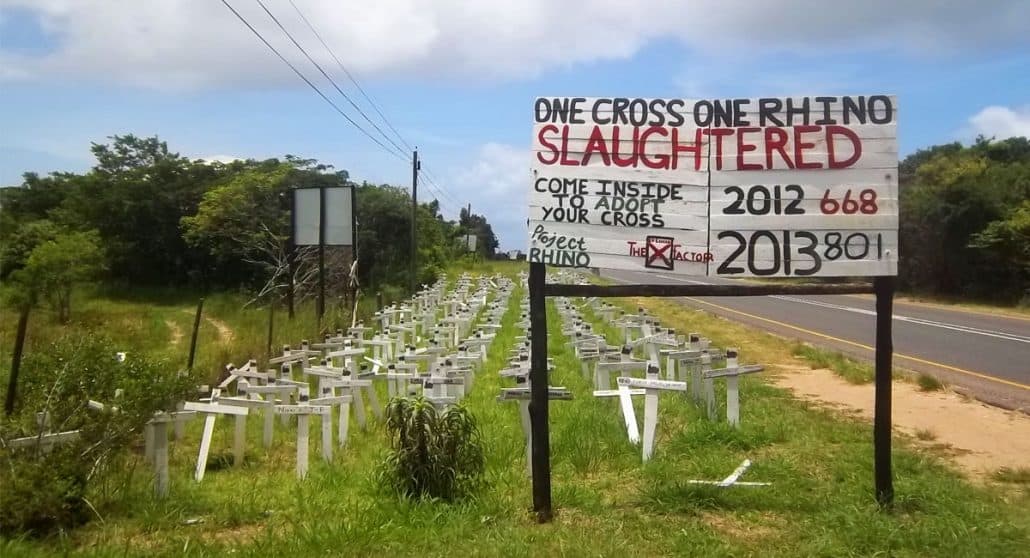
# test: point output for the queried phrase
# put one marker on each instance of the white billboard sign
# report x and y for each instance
(339, 216)
(775, 187)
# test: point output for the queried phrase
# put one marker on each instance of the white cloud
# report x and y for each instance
(187, 44)
(497, 180)
(1000, 122)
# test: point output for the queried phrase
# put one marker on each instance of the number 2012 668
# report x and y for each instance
(795, 253)
(788, 200)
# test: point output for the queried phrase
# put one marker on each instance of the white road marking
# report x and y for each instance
(908, 319)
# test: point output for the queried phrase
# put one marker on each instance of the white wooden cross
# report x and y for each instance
(269, 393)
(402, 335)
(603, 388)
(523, 395)
(651, 386)
(397, 377)
(353, 386)
(303, 410)
(328, 397)
(451, 369)
(286, 361)
(159, 426)
(481, 341)
(359, 332)
(446, 335)
(211, 411)
(249, 400)
(466, 358)
(732, 373)
(437, 387)
(732, 479)
(45, 441)
(382, 349)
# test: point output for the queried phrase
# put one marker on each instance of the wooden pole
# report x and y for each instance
(321, 252)
(538, 404)
(414, 213)
(291, 254)
(193, 338)
(19, 345)
(271, 322)
(884, 287)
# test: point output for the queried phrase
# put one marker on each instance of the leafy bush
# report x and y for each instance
(54, 488)
(432, 454)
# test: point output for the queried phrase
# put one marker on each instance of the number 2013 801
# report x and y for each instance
(797, 253)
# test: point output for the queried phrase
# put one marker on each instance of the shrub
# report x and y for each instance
(927, 382)
(47, 489)
(432, 454)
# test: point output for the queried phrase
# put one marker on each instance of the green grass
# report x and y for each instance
(1018, 475)
(925, 435)
(608, 503)
(848, 368)
(927, 382)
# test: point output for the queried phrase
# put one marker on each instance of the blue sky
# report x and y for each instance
(458, 78)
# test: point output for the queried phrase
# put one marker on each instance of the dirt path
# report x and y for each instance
(980, 438)
(225, 333)
(175, 331)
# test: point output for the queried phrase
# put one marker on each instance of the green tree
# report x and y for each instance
(56, 266)
(1005, 249)
(19, 244)
(470, 223)
(135, 197)
(950, 198)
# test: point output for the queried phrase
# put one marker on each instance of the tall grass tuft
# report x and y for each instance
(433, 454)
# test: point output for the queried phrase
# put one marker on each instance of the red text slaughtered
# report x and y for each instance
(662, 148)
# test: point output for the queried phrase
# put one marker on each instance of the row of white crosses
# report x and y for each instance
(627, 386)
(335, 364)
(651, 384)
(643, 331)
(518, 368)
(693, 363)
(448, 380)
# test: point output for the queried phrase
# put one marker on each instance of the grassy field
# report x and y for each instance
(608, 503)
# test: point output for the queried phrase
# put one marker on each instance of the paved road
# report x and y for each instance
(988, 355)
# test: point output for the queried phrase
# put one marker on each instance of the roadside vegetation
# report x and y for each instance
(116, 260)
(608, 503)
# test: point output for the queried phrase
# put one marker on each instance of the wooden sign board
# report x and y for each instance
(775, 187)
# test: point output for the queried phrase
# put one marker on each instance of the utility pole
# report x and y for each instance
(415, 166)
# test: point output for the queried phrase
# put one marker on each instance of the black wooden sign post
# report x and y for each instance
(539, 290)
(539, 415)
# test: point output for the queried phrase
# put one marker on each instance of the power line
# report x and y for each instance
(327, 76)
(432, 180)
(439, 191)
(351, 78)
(429, 178)
(307, 81)
(432, 184)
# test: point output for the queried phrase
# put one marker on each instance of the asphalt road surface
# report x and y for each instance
(985, 355)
